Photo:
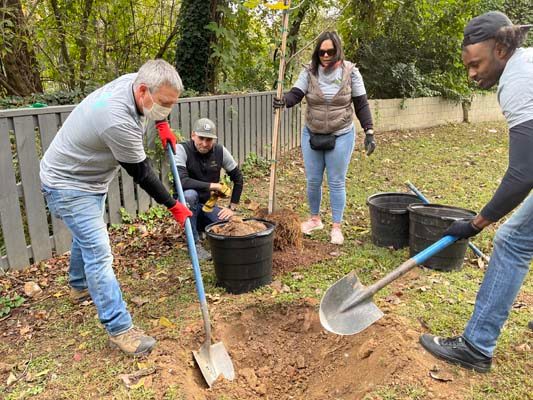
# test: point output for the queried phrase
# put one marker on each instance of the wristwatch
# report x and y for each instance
(369, 132)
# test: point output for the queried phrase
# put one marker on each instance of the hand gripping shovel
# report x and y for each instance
(472, 246)
(347, 307)
(213, 359)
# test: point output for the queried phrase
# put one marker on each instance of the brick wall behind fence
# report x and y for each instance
(395, 114)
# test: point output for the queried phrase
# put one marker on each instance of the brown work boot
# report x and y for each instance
(78, 296)
(133, 342)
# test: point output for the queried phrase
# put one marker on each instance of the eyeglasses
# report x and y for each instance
(329, 52)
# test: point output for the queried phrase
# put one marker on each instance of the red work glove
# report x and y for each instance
(180, 213)
(166, 135)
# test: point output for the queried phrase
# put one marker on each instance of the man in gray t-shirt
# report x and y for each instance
(105, 131)
(492, 54)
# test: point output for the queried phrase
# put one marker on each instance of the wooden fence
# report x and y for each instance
(29, 234)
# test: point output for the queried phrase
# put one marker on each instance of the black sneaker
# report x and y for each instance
(530, 325)
(456, 350)
(203, 254)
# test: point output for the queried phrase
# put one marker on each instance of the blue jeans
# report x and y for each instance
(91, 260)
(336, 163)
(199, 219)
(508, 267)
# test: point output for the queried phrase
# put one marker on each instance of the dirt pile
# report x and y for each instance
(236, 226)
(287, 233)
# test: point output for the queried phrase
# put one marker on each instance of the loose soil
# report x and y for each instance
(282, 352)
(238, 227)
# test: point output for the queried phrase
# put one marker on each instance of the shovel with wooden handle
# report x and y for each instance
(213, 359)
(347, 307)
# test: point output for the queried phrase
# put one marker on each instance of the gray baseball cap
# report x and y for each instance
(484, 27)
(205, 127)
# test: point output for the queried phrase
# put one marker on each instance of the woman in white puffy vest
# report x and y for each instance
(330, 85)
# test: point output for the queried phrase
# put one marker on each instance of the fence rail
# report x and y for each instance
(29, 234)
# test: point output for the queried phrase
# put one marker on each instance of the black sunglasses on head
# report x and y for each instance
(329, 52)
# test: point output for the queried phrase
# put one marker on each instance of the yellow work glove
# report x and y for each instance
(215, 195)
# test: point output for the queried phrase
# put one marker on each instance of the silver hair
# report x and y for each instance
(157, 73)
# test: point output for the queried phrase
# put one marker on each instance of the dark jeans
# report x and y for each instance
(200, 219)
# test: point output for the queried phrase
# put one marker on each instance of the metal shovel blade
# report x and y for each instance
(335, 319)
(214, 361)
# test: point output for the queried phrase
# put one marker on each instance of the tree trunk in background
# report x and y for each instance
(193, 49)
(66, 64)
(82, 42)
(19, 72)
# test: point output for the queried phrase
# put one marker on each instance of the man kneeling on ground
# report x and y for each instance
(199, 162)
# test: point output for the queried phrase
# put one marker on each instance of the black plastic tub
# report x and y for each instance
(427, 223)
(389, 218)
(242, 263)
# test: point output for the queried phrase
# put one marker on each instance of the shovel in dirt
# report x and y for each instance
(213, 359)
(347, 307)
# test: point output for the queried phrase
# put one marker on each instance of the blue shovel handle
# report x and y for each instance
(360, 296)
(419, 194)
(188, 232)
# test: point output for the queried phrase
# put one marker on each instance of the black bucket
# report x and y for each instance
(242, 263)
(389, 218)
(427, 223)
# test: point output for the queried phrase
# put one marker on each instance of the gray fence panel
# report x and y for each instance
(228, 125)
(185, 120)
(10, 213)
(33, 198)
(241, 129)
(48, 126)
(128, 192)
(212, 113)
(203, 109)
(113, 201)
(244, 124)
(220, 122)
(253, 124)
(234, 115)
(195, 113)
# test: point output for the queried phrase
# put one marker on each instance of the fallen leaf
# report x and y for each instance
(523, 348)
(136, 379)
(32, 289)
(139, 301)
(441, 376)
(25, 330)
(11, 379)
(163, 321)
(77, 357)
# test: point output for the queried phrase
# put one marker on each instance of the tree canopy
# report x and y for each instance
(59, 50)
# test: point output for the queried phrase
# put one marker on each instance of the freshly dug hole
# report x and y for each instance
(281, 352)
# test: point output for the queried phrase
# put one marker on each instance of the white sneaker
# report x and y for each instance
(311, 225)
(336, 236)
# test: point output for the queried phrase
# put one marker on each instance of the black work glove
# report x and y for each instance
(370, 143)
(278, 103)
(462, 229)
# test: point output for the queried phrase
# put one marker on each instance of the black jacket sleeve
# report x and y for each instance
(143, 175)
(238, 183)
(362, 111)
(518, 180)
(293, 97)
